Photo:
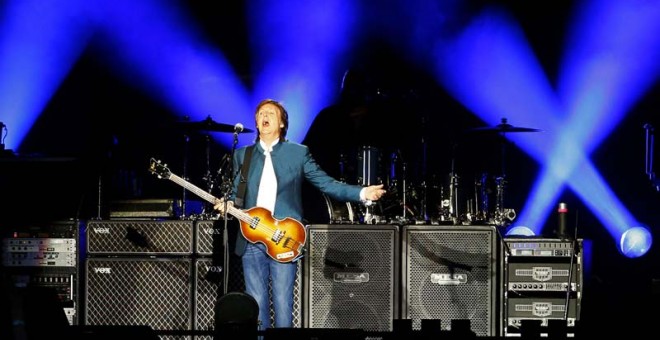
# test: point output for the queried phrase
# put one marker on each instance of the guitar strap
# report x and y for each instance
(242, 185)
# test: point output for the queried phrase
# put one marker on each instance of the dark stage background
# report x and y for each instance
(92, 145)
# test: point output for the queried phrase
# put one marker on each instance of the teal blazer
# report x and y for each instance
(293, 163)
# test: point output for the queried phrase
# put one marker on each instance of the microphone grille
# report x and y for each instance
(562, 208)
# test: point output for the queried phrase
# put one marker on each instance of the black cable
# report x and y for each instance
(574, 253)
(225, 233)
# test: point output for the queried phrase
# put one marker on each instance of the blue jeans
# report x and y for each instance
(258, 268)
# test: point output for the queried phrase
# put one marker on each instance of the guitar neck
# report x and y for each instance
(241, 215)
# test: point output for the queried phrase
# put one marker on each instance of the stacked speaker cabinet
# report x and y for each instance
(351, 277)
(139, 272)
(543, 285)
(450, 273)
(166, 274)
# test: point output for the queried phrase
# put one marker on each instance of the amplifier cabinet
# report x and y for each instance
(542, 276)
(535, 247)
(351, 277)
(450, 273)
(142, 208)
(541, 308)
(139, 291)
(139, 237)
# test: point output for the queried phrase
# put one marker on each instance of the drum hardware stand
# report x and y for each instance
(208, 178)
(482, 207)
(502, 215)
(648, 161)
(99, 188)
(423, 204)
(404, 189)
(186, 140)
(99, 199)
(499, 200)
(453, 189)
(452, 204)
(342, 167)
(470, 214)
(501, 129)
(366, 179)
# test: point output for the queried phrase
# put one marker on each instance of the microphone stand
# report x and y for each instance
(225, 233)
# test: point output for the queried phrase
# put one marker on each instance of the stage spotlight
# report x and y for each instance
(520, 230)
(635, 242)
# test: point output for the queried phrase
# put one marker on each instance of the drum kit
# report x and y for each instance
(423, 200)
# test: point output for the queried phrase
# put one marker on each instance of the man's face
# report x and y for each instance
(269, 120)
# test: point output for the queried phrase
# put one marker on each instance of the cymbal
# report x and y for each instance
(503, 127)
(209, 125)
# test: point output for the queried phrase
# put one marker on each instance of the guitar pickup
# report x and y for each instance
(277, 236)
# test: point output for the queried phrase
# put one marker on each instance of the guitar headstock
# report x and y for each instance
(159, 169)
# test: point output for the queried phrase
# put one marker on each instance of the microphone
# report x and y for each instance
(561, 226)
(238, 128)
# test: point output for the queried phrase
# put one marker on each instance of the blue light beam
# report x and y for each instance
(482, 40)
(298, 47)
(40, 42)
(154, 46)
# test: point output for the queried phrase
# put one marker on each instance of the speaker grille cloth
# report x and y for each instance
(152, 292)
(340, 295)
(139, 237)
(450, 276)
(209, 281)
(206, 233)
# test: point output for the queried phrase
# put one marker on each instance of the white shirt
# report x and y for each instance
(268, 185)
